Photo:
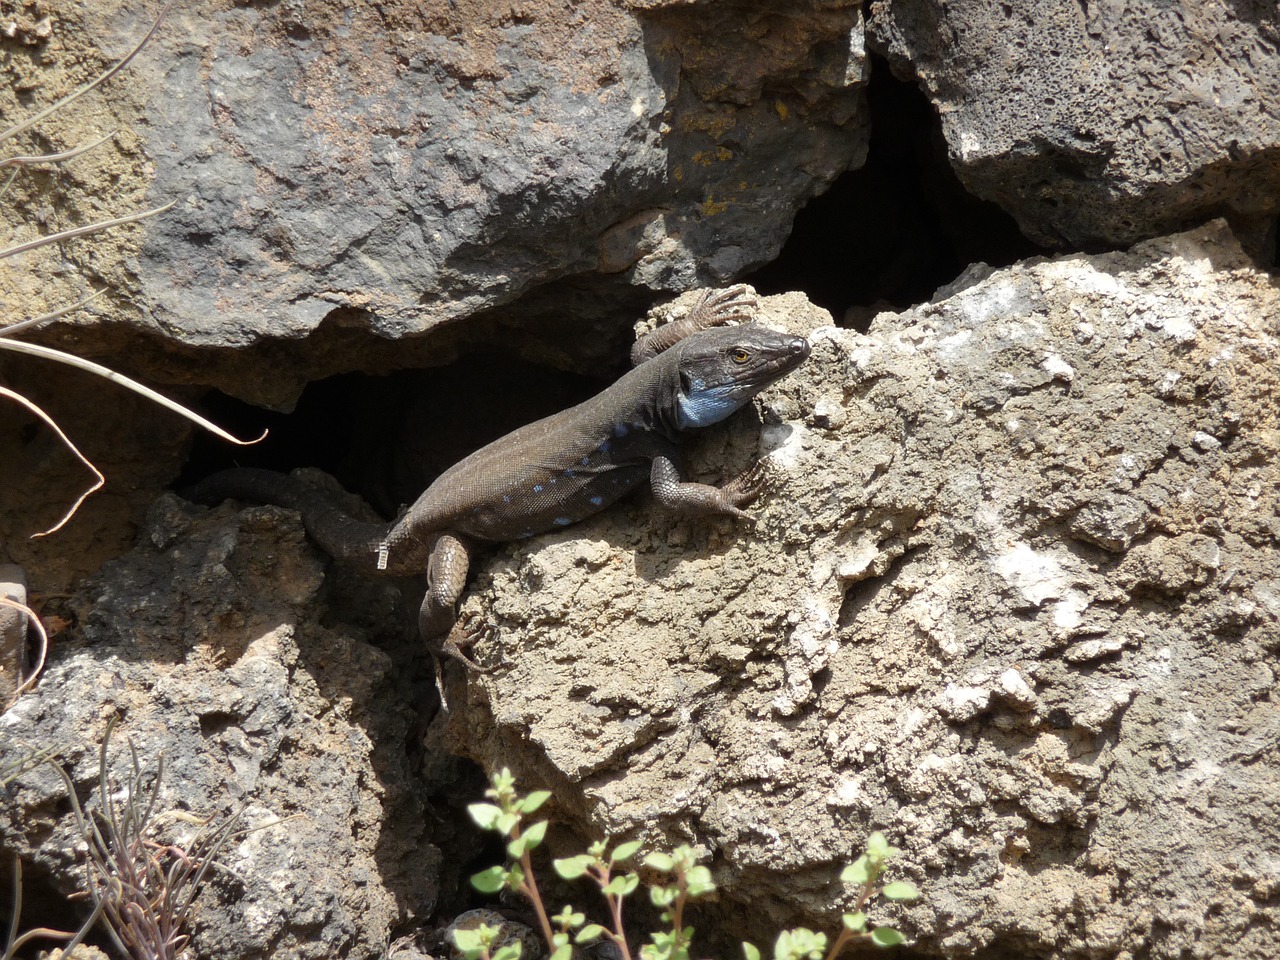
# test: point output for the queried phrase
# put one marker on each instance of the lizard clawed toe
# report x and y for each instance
(717, 308)
(747, 486)
(470, 630)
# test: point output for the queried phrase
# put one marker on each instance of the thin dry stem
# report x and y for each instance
(29, 682)
(21, 325)
(18, 398)
(96, 82)
(82, 231)
(14, 943)
(49, 353)
(54, 157)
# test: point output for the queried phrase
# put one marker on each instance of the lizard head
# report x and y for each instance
(722, 368)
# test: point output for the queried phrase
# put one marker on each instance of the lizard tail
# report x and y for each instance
(338, 533)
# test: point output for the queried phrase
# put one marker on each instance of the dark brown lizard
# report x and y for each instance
(559, 470)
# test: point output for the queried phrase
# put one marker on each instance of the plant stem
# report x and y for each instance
(531, 891)
(845, 936)
(677, 913)
(620, 935)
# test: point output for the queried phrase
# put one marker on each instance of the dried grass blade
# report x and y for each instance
(49, 421)
(92, 84)
(72, 360)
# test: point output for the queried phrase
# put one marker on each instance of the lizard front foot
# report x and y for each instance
(746, 487)
(715, 308)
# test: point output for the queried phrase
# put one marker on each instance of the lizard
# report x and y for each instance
(686, 375)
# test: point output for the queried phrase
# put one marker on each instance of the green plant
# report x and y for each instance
(865, 874)
(686, 880)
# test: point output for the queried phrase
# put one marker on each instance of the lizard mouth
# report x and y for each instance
(789, 356)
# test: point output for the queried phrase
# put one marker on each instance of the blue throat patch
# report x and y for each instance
(702, 407)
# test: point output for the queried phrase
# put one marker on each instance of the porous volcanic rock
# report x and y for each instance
(1102, 123)
(1013, 600)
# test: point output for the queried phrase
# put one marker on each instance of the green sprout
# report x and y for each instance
(686, 880)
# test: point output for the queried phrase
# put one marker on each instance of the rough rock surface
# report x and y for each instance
(256, 707)
(1013, 600)
(357, 169)
(1101, 122)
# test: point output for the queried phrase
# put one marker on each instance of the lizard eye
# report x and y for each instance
(740, 356)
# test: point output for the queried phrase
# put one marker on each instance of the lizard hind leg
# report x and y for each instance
(438, 619)
(446, 578)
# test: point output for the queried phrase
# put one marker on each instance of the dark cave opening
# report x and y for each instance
(387, 437)
(887, 235)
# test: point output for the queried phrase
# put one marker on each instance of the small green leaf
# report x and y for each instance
(684, 856)
(855, 922)
(535, 833)
(660, 861)
(800, 944)
(698, 881)
(533, 801)
(506, 823)
(622, 886)
(858, 872)
(663, 897)
(750, 951)
(877, 844)
(625, 851)
(491, 880)
(469, 942)
(900, 890)
(571, 868)
(567, 919)
(878, 847)
(592, 931)
(517, 847)
(562, 952)
(508, 951)
(485, 815)
(886, 937)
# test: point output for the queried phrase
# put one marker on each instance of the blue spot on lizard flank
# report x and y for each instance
(562, 521)
(596, 501)
(604, 446)
(621, 429)
(537, 488)
(568, 474)
(586, 461)
(506, 498)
